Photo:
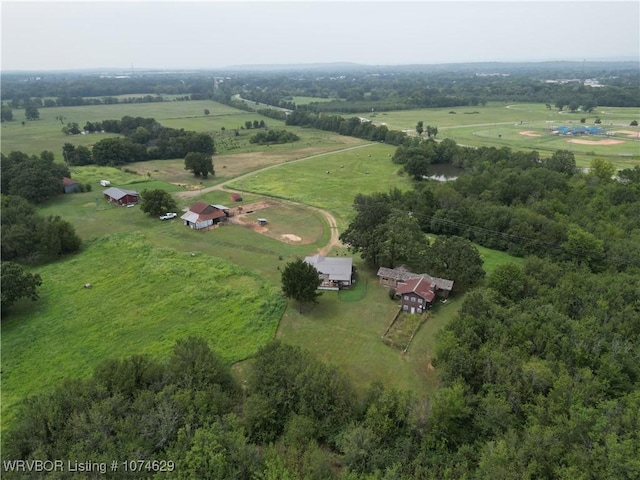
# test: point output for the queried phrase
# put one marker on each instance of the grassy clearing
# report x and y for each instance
(364, 170)
(142, 300)
(493, 258)
(287, 219)
(308, 100)
(46, 133)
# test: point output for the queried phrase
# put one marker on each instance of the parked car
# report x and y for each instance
(168, 216)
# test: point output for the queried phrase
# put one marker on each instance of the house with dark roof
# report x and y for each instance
(69, 185)
(120, 196)
(417, 290)
(201, 215)
(335, 272)
(416, 295)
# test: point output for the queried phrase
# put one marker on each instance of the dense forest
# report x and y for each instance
(539, 370)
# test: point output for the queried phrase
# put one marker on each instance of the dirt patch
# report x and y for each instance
(187, 186)
(529, 133)
(596, 142)
(628, 133)
(290, 237)
(430, 367)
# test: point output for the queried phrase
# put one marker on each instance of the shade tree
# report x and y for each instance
(300, 282)
(200, 164)
(157, 202)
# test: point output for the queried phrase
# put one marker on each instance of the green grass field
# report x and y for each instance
(142, 300)
(363, 170)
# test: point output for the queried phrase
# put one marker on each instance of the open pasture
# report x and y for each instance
(229, 166)
(330, 181)
(141, 301)
(92, 216)
(46, 133)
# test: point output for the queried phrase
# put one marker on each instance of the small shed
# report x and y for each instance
(69, 185)
(262, 221)
(236, 197)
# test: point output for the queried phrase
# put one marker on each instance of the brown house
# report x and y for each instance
(201, 215)
(417, 291)
(121, 196)
(416, 295)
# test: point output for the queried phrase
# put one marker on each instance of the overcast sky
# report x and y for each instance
(53, 35)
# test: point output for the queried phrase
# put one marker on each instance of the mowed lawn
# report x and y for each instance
(331, 181)
(141, 301)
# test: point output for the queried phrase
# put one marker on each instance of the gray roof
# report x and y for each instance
(221, 207)
(335, 268)
(401, 274)
(190, 217)
(118, 193)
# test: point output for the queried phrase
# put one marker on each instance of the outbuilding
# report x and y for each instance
(201, 215)
(120, 196)
(69, 185)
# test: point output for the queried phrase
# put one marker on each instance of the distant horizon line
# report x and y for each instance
(131, 69)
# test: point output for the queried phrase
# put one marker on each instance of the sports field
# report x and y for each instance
(528, 127)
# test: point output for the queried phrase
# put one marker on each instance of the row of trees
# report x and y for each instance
(270, 137)
(353, 127)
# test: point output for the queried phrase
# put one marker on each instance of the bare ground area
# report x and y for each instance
(529, 133)
(596, 142)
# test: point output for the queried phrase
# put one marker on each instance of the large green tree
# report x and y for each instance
(31, 112)
(157, 202)
(16, 284)
(7, 113)
(201, 164)
(32, 177)
(300, 282)
(453, 258)
(562, 161)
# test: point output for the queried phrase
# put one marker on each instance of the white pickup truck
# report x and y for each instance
(168, 216)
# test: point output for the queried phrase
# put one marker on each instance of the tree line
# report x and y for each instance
(353, 127)
(144, 139)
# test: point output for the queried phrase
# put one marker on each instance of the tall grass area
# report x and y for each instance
(141, 301)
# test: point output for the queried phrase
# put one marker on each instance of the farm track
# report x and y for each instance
(334, 239)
